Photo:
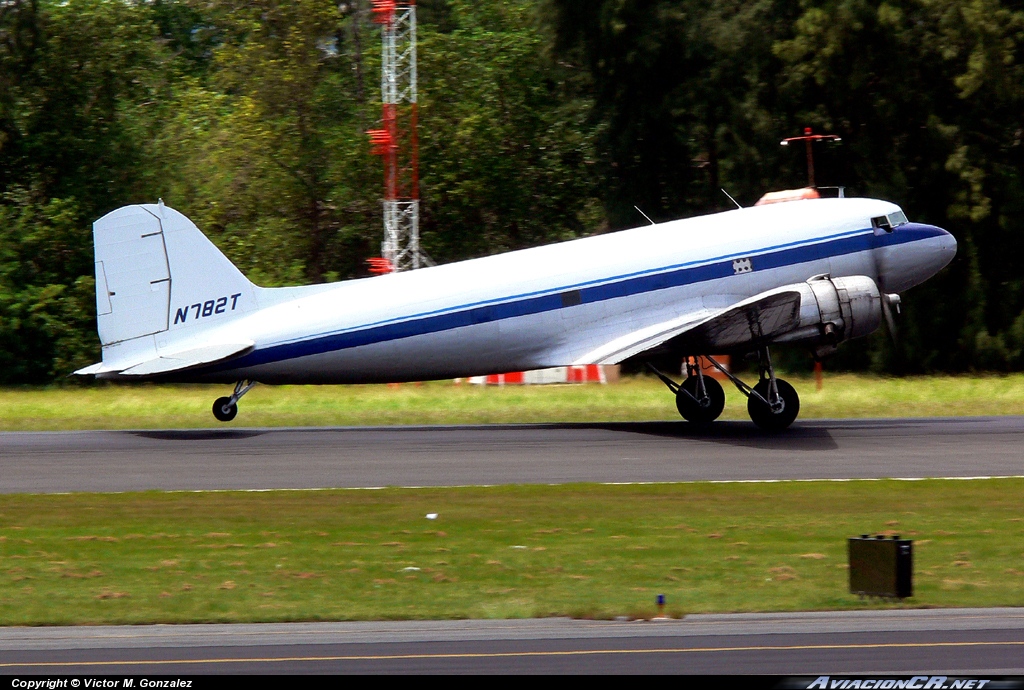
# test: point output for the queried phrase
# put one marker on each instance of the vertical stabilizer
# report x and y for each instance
(206, 288)
(159, 282)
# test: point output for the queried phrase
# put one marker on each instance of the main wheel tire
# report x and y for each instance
(691, 410)
(761, 414)
(224, 410)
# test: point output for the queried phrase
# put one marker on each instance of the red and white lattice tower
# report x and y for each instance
(396, 142)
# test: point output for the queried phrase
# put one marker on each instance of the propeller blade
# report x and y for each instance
(888, 301)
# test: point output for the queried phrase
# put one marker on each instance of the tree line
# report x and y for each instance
(540, 120)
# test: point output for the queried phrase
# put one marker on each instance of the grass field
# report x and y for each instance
(639, 398)
(496, 552)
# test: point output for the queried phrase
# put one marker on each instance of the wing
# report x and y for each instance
(756, 320)
(186, 359)
(751, 322)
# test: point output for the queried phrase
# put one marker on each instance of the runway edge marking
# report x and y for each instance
(491, 486)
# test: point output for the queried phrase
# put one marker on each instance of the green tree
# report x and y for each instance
(680, 88)
(926, 94)
(75, 80)
(252, 150)
(508, 157)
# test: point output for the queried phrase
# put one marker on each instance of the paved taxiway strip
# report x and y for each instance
(238, 458)
(955, 641)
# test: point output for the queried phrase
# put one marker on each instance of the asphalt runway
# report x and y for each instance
(240, 458)
(989, 642)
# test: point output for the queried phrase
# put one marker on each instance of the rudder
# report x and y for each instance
(157, 274)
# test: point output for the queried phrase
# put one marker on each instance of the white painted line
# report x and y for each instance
(491, 486)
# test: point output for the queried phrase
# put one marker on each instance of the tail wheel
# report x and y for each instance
(224, 410)
(702, 410)
(763, 416)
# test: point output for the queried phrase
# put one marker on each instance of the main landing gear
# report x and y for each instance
(225, 409)
(699, 399)
(772, 403)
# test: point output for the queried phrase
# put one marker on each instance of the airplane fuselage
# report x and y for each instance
(557, 304)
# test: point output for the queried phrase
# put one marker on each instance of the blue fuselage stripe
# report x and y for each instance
(469, 315)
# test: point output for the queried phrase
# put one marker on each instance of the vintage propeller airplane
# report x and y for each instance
(172, 307)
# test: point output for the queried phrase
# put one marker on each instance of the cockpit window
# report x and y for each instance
(881, 223)
(897, 219)
(887, 223)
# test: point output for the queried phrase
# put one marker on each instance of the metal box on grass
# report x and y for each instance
(881, 567)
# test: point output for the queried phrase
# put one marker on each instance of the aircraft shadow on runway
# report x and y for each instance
(199, 434)
(744, 434)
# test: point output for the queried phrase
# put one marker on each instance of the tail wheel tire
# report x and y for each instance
(693, 411)
(224, 410)
(761, 414)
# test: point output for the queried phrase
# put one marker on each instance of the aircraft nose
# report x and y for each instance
(947, 244)
(942, 245)
(912, 253)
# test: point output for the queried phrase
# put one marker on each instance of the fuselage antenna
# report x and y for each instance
(730, 197)
(644, 215)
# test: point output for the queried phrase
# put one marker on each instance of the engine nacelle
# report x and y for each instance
(834, 310)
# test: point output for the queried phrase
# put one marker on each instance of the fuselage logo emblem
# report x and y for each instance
(742, 266)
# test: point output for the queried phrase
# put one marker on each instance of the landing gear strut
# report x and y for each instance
(699, 399)
(776, 404)
(772, 403)
(225, 409)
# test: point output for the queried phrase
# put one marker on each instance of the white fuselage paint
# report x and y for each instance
(468, 318)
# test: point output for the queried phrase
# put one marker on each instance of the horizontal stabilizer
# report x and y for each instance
(91, 370)
(208, 354)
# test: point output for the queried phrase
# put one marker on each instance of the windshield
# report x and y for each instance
(897, 219)
(887, 223)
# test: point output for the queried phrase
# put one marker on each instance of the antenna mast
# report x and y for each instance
(809, 138)
(397, 142)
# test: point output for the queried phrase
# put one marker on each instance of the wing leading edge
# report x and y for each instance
(750, 322)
